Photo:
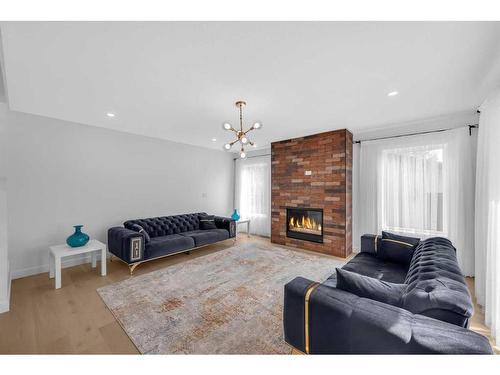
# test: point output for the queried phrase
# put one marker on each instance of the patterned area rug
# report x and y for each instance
(226, 302)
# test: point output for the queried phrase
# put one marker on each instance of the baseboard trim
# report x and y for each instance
(5, 304)
(30, 271)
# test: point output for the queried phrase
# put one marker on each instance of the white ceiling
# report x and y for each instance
(179, 80)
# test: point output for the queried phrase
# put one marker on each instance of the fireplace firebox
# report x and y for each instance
(304, 223)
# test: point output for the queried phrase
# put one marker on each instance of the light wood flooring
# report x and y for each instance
(74, 319)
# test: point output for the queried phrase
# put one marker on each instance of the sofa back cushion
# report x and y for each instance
(397, 249)
(368, 287)
(207, 222)
(435, 285)
(166, 225)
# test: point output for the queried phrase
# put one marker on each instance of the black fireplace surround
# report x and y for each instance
(304, 223)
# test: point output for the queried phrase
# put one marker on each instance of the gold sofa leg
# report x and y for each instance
(132, 267)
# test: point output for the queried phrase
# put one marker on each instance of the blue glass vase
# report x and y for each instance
(235, 216)
(78, 238)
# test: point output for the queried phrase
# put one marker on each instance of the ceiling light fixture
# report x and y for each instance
(214, 139)
(393, 93)
(109, 114)
(241, 136)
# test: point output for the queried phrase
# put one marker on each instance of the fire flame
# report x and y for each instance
(304, 222)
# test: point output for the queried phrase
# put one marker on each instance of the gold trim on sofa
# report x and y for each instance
(306, 315)
(399, 242)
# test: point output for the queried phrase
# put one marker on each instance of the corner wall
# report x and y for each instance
(4, 253)
(4, 258)
(60, 174)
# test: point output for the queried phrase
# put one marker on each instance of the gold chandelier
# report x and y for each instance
(241, 136)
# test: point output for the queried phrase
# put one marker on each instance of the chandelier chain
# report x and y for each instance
(241, 118)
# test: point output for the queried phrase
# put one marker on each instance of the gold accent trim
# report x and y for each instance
(376, 238)
(306, 314)
(132, 266)
(400, 242)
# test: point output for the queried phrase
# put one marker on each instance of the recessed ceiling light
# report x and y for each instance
(393, 93)
(109, 114)
(214, 139)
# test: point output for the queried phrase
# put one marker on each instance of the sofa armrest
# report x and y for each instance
(339, 322)
(370, 243)
(126, 244)
(226, 223)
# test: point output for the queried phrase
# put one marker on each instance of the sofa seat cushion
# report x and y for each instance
(369, 265)
(159, 246)
(205, 237)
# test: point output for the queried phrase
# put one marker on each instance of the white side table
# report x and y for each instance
(244, 221)
(57, 252)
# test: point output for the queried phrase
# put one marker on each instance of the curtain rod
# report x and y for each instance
(250, 157)
(474, 126)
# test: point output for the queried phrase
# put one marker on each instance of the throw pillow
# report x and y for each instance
(368, 287)
(207, 222)
(397, 249)
(140, 229)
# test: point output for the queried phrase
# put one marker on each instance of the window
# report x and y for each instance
(412, 190)
(253, 192)
(252, 189)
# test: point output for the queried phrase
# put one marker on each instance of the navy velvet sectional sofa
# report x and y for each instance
(420, 305)
(141, 240)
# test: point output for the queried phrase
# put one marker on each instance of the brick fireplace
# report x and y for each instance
(312, 181)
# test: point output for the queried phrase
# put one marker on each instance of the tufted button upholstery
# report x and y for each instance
(435, 285)
(166, 225)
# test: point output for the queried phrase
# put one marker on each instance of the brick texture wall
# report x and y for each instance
(329, 158)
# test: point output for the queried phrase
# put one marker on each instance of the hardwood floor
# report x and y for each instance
(477, 321)
(74, 319)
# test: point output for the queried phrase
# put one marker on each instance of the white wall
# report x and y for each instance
(4, 259)
(61, 174)
(4, 256)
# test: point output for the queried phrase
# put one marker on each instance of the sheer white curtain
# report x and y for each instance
(421, 185)
(411, 189)
(487, 281)
(253, 193)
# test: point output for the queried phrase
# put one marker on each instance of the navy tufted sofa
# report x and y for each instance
(431, 316)
(166, 235)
